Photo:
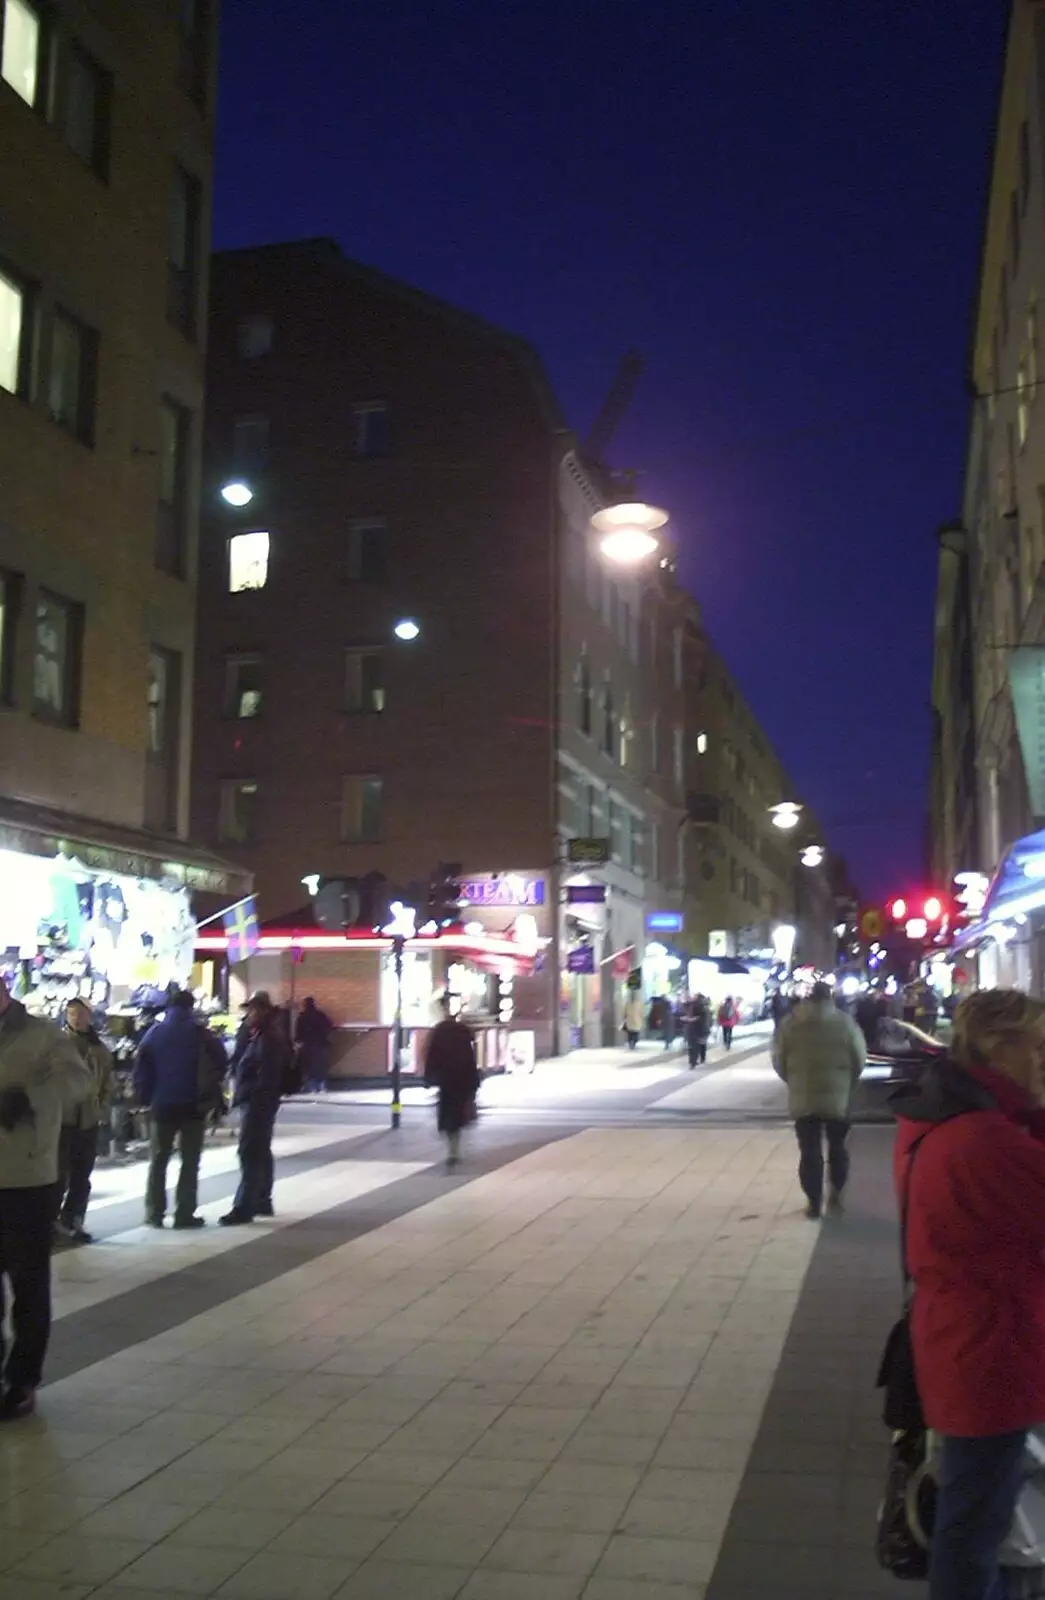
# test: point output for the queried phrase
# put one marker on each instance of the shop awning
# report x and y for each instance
(107, 847)
(488, 950)
(1017, 890)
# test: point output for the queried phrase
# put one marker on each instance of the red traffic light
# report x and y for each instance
(898, 909)
(933, 908)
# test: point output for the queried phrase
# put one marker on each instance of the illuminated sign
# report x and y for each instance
(664, 921)
(505, 890)
(581, 960)
(588, 852)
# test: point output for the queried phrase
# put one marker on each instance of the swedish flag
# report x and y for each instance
(241, 924)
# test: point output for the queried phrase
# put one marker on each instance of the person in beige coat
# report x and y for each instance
(40, 1075)
(78, 1147)
(820, 1053)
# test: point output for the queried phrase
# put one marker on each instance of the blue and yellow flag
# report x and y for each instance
(241, 924)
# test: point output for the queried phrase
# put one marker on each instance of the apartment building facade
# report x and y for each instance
(106, 123)
(406, 463)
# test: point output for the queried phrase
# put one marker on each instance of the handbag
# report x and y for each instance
(905, 1516)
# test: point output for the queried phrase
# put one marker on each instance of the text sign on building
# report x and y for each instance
(587, 852)
(581, 960)
(663, 921)
(506, 890)
(585, 894)
(1027, 682)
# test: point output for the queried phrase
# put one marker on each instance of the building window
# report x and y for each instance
(20, 59)
(183, 250)
(615, 829)
(83, 110)
(609, 722)
(654, 742)
(248, 561)
(364, 681)
(626, 734)
(158, 702)
(173, 498)
(679, 755)
(702, 744)
(367, 555)
(56, 659)
(1014, 232)
(627, 841)
(591, 821)
(676, 657)
(680, 858)
(10, 596)
(163, 704)
(72, 376)
(254, 337)
(192, 56)
(238, 811)
(654, 851)
(361, 809)
(371, 432)
(15, 335)
(242, 694)
(584, 696)
(250, 442)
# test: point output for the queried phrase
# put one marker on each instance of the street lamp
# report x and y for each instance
(629, 533)
(407, 629)
(237, 493)
(785, 815)
(812, 855)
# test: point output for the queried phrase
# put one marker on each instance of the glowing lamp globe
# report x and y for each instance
(629, 533)
(406, 629)
(237, 494)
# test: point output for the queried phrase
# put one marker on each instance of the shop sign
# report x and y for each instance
(105, 858)
(587, 852)
(1027, 683)
(585, 894)
(503, 890)
(664, 921)
(581, 960)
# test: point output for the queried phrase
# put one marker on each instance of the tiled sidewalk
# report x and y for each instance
(543, 1383)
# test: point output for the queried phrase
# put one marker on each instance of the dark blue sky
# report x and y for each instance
(779, 204)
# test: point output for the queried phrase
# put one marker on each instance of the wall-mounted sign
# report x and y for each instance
(664, 921)
(504, 889)
(585, 894)
(581, 959)
(588, 852)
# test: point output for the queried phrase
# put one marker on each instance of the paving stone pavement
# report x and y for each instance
(618, 1365)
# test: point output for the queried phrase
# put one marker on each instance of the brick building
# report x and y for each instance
(106, 123)
(407, 461)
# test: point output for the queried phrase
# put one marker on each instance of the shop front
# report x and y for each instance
(1004, 947)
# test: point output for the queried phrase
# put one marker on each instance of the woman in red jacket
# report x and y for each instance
(970, 1169)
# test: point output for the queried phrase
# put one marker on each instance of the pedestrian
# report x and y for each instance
(259, 1066)
(633, 1014)
(312, 1035)
(41, 1075)
(451, 1067)
(178, 1075)
(819, 1052)
(78, 1146)
(777, 1008)
(970, 1179)
(727, 1020)
(698, 1030)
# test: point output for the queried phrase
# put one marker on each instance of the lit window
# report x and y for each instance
(248, 561)
(361, 809)
(702, 744)
(71, 376)
(238, 812)
(56, 659)
(371, 429)
(20, 60)
(364, 680)
(254, 337)
(12, 335)
(242, 698)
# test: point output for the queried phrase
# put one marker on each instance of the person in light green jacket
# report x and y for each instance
(820, 1053)
(40, 1075)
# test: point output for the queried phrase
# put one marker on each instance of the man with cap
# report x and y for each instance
(259, 1064)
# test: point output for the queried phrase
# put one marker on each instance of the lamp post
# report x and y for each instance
(237, 493)
(629, 534)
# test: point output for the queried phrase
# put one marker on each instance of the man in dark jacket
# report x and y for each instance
(451, 1067)
(259, 1063)
(179, 1070)
(312, 1033)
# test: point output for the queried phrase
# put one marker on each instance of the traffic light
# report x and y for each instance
(444, 894)
(898, 908)
(933, 909)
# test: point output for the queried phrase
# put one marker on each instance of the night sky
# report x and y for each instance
(781, 205)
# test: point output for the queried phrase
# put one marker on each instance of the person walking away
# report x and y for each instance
(78, 1146)
(41, 1076)
(177, 1077)
(819, 1053)
(259, 1066)
(698, 1030)
(969, 1169)
(633, 1015)
(451, 1067)
(312, 1034)
(727, 1020)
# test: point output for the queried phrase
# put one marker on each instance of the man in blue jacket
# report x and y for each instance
(177, 1075)
(259, 1065)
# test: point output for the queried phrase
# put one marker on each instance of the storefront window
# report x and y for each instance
(418, 999)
